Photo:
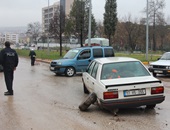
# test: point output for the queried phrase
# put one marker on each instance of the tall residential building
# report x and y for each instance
(48, 12)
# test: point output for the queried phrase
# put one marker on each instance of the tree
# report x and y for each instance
(110, 19)
(154, 11)
(77, 21)
(34, 31)
(57, 25)
(132, 31)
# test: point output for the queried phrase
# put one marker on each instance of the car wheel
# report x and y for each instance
(70, 71)
(90, 99)
(86, 91)
(151, 106)
(154, 74)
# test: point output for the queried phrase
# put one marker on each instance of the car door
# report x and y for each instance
(92, 78)
(83, 60)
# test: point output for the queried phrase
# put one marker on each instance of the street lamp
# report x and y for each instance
(48, 30)
(89, 31)
(147, 29)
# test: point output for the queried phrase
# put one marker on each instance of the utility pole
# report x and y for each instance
(147, 29)
(48, 31)
(89, 31)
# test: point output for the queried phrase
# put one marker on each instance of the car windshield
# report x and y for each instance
(123, 70)
(71, 54)
(165, 56)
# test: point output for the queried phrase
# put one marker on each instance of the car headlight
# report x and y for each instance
(150, 66)
(59, 63)
(167, 67)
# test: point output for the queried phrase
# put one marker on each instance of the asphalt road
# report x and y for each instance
(43, 101)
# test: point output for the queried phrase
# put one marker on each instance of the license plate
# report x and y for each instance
(135, 92)
(158, 71)
(52, 68)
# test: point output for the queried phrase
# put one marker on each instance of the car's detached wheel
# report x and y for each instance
(70, 71)
(90, 99)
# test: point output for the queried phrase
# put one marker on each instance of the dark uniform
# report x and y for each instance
(32, 55)
(9, 60)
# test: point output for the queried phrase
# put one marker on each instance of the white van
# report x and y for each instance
(97, 42)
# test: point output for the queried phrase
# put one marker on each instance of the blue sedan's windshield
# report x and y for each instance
(165, 56)
(71, 54)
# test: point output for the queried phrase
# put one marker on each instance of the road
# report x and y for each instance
(43, 101)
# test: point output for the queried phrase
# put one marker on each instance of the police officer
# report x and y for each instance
(32, 55)
(9, 60)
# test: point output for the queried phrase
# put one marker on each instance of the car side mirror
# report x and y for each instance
(158, 58)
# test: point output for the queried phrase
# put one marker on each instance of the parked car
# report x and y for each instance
(120, 82)
(161, 66)
(77, 60)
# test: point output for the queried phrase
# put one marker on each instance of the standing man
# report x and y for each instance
(32, 55)
(9, 61)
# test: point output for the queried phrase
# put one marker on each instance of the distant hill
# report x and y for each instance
(13, 29)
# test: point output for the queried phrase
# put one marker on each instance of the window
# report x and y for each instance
(108, 52)
(90, 68)
(97, 52)
(123, 70)
(85, 54)
(94, 71)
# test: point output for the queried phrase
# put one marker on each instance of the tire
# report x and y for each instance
(154, 74)
(70, 71)
(151, 106)
(86, 91)
(90, 99)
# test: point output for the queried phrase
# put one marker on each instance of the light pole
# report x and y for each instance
(147, 29)
(48, 30)
(89, 31)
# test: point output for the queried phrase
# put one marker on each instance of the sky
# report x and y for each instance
(15, 13)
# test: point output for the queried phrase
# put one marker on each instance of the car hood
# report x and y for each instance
(129, 81)
(161, 63)
(62, 60)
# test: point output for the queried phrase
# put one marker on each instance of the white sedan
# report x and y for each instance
(120, 82)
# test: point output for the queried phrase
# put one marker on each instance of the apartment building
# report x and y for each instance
(11, 37)
(48, 12)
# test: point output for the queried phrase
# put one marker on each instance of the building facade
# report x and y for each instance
(48, 12)
(11, 37)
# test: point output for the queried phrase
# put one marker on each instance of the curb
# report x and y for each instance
(145, 63)
(44, 61)
(49, 61)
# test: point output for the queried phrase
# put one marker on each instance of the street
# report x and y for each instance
(44, 101)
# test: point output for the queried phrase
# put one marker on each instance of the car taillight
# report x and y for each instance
(157, 90)
(110, 95)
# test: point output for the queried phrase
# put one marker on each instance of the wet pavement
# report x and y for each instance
(43, 101)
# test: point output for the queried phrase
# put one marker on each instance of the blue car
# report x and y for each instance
(77, 60)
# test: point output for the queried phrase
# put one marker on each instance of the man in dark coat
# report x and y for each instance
(9, 61)
(32, 55)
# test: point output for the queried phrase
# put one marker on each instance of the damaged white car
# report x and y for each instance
(120, 82)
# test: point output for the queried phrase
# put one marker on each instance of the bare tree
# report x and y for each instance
(100, 29)
(57, 25)
(154, 12)
(133, 32)
(34, 30)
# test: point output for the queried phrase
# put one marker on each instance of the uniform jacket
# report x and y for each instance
(32, 54)
(8, 58)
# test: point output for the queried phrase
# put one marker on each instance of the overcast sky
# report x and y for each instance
(21, 12)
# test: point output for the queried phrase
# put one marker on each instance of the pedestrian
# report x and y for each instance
(9, 61)
(32, 55)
